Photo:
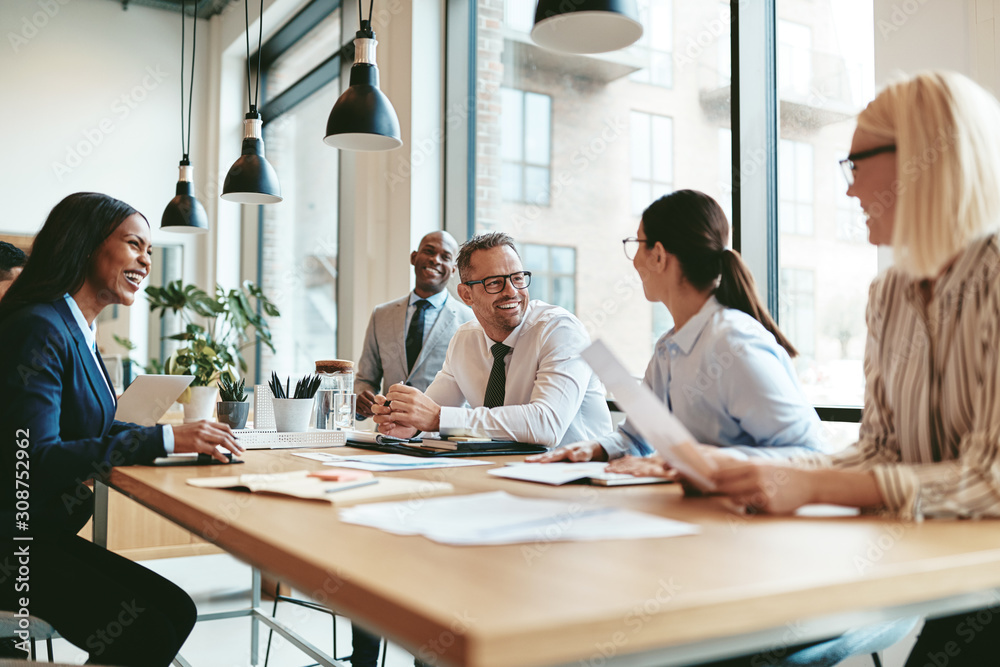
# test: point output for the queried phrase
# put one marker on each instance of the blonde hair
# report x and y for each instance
(947, 190)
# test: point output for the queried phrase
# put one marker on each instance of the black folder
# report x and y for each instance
(492, 448)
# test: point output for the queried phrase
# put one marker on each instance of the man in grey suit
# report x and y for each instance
(406, 342)
(407, 338)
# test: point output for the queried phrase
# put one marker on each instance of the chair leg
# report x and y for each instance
(877, 660)
(270, 630)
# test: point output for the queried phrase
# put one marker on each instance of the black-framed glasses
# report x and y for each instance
(848, 164)
(495, 284)
(631, 245)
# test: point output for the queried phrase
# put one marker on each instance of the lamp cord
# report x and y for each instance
(186, 151)
(361, 16)
(260, 40)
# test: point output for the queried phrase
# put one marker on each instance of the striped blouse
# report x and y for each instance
(930, 430)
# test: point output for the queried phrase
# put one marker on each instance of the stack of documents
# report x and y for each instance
(500, 518)
(302, 484)
(388, 462)
(563, 473)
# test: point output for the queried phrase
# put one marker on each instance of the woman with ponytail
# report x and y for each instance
(725, 368)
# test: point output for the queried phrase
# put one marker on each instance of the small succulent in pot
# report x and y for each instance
(233, 408)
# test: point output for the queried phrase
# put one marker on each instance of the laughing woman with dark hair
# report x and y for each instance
(57, 416)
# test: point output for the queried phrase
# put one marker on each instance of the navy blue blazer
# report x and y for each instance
(54, 402)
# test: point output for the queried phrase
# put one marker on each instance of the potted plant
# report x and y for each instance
(233, 408)
(232, 320)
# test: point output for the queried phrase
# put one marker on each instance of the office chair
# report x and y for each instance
(278, 597)
(37, 629)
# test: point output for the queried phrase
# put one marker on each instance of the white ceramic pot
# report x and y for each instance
(291, 415)
(201, 404)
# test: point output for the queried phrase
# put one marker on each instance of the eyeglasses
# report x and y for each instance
(848, 164)
(495, 284)
(631, 245)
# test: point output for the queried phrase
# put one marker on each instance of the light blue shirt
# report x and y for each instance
(90, 336)
(730, 383)
(431, 312)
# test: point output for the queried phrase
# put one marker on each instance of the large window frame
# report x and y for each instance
(755, 133)
(329, 70)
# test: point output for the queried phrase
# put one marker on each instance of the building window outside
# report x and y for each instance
(826, 66)
(610, 151)
(553, 273)
(795, 56)
(798, 309)
(656, 45)
(795, 188)
(526, 146)
(652, 158)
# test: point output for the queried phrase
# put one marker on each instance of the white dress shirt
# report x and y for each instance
(552, 396)
(725, 377)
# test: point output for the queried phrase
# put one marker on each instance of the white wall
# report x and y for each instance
(91, 102)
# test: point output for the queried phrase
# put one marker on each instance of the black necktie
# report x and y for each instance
(496, 387)
(415, 334)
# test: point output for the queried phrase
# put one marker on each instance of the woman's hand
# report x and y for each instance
(769, 487)
(585, 450)
(203, 437)
(642, 466)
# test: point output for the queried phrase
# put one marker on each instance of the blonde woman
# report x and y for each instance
(925, 165)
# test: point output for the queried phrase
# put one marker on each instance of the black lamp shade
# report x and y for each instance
(363, 118)
(184, 213)
(252, 179)
(586, 26)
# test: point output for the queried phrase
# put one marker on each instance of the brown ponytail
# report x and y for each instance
(693, 227)
(737, 289)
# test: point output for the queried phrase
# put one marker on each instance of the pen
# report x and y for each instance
(345, 487)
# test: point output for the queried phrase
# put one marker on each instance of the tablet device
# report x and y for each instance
(149, 397)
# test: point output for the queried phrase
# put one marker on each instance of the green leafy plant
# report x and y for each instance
(230, 391)
(232, 321)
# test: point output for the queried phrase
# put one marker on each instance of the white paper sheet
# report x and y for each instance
(501, 518)
(389, 462)
(650, 417)
(564, 473)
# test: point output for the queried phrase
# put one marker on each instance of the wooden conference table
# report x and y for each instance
(743, 584)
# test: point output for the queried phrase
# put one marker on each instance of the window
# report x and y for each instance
(526, 128)
(795, 188)
(798, 309)
(794, 59)
(652, 158)
(297, 240)
(602, 151)
(553, 273)
(655, 47)
(825, 59)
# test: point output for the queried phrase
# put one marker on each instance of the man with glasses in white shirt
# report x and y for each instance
(513, 373)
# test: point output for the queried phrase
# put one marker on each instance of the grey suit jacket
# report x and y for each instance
(383, 361)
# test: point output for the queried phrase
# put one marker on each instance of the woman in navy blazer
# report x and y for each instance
(57, 417)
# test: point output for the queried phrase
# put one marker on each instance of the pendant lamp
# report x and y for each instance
(252, 179)
(185, 213)
(363, 118)
(586, 26)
